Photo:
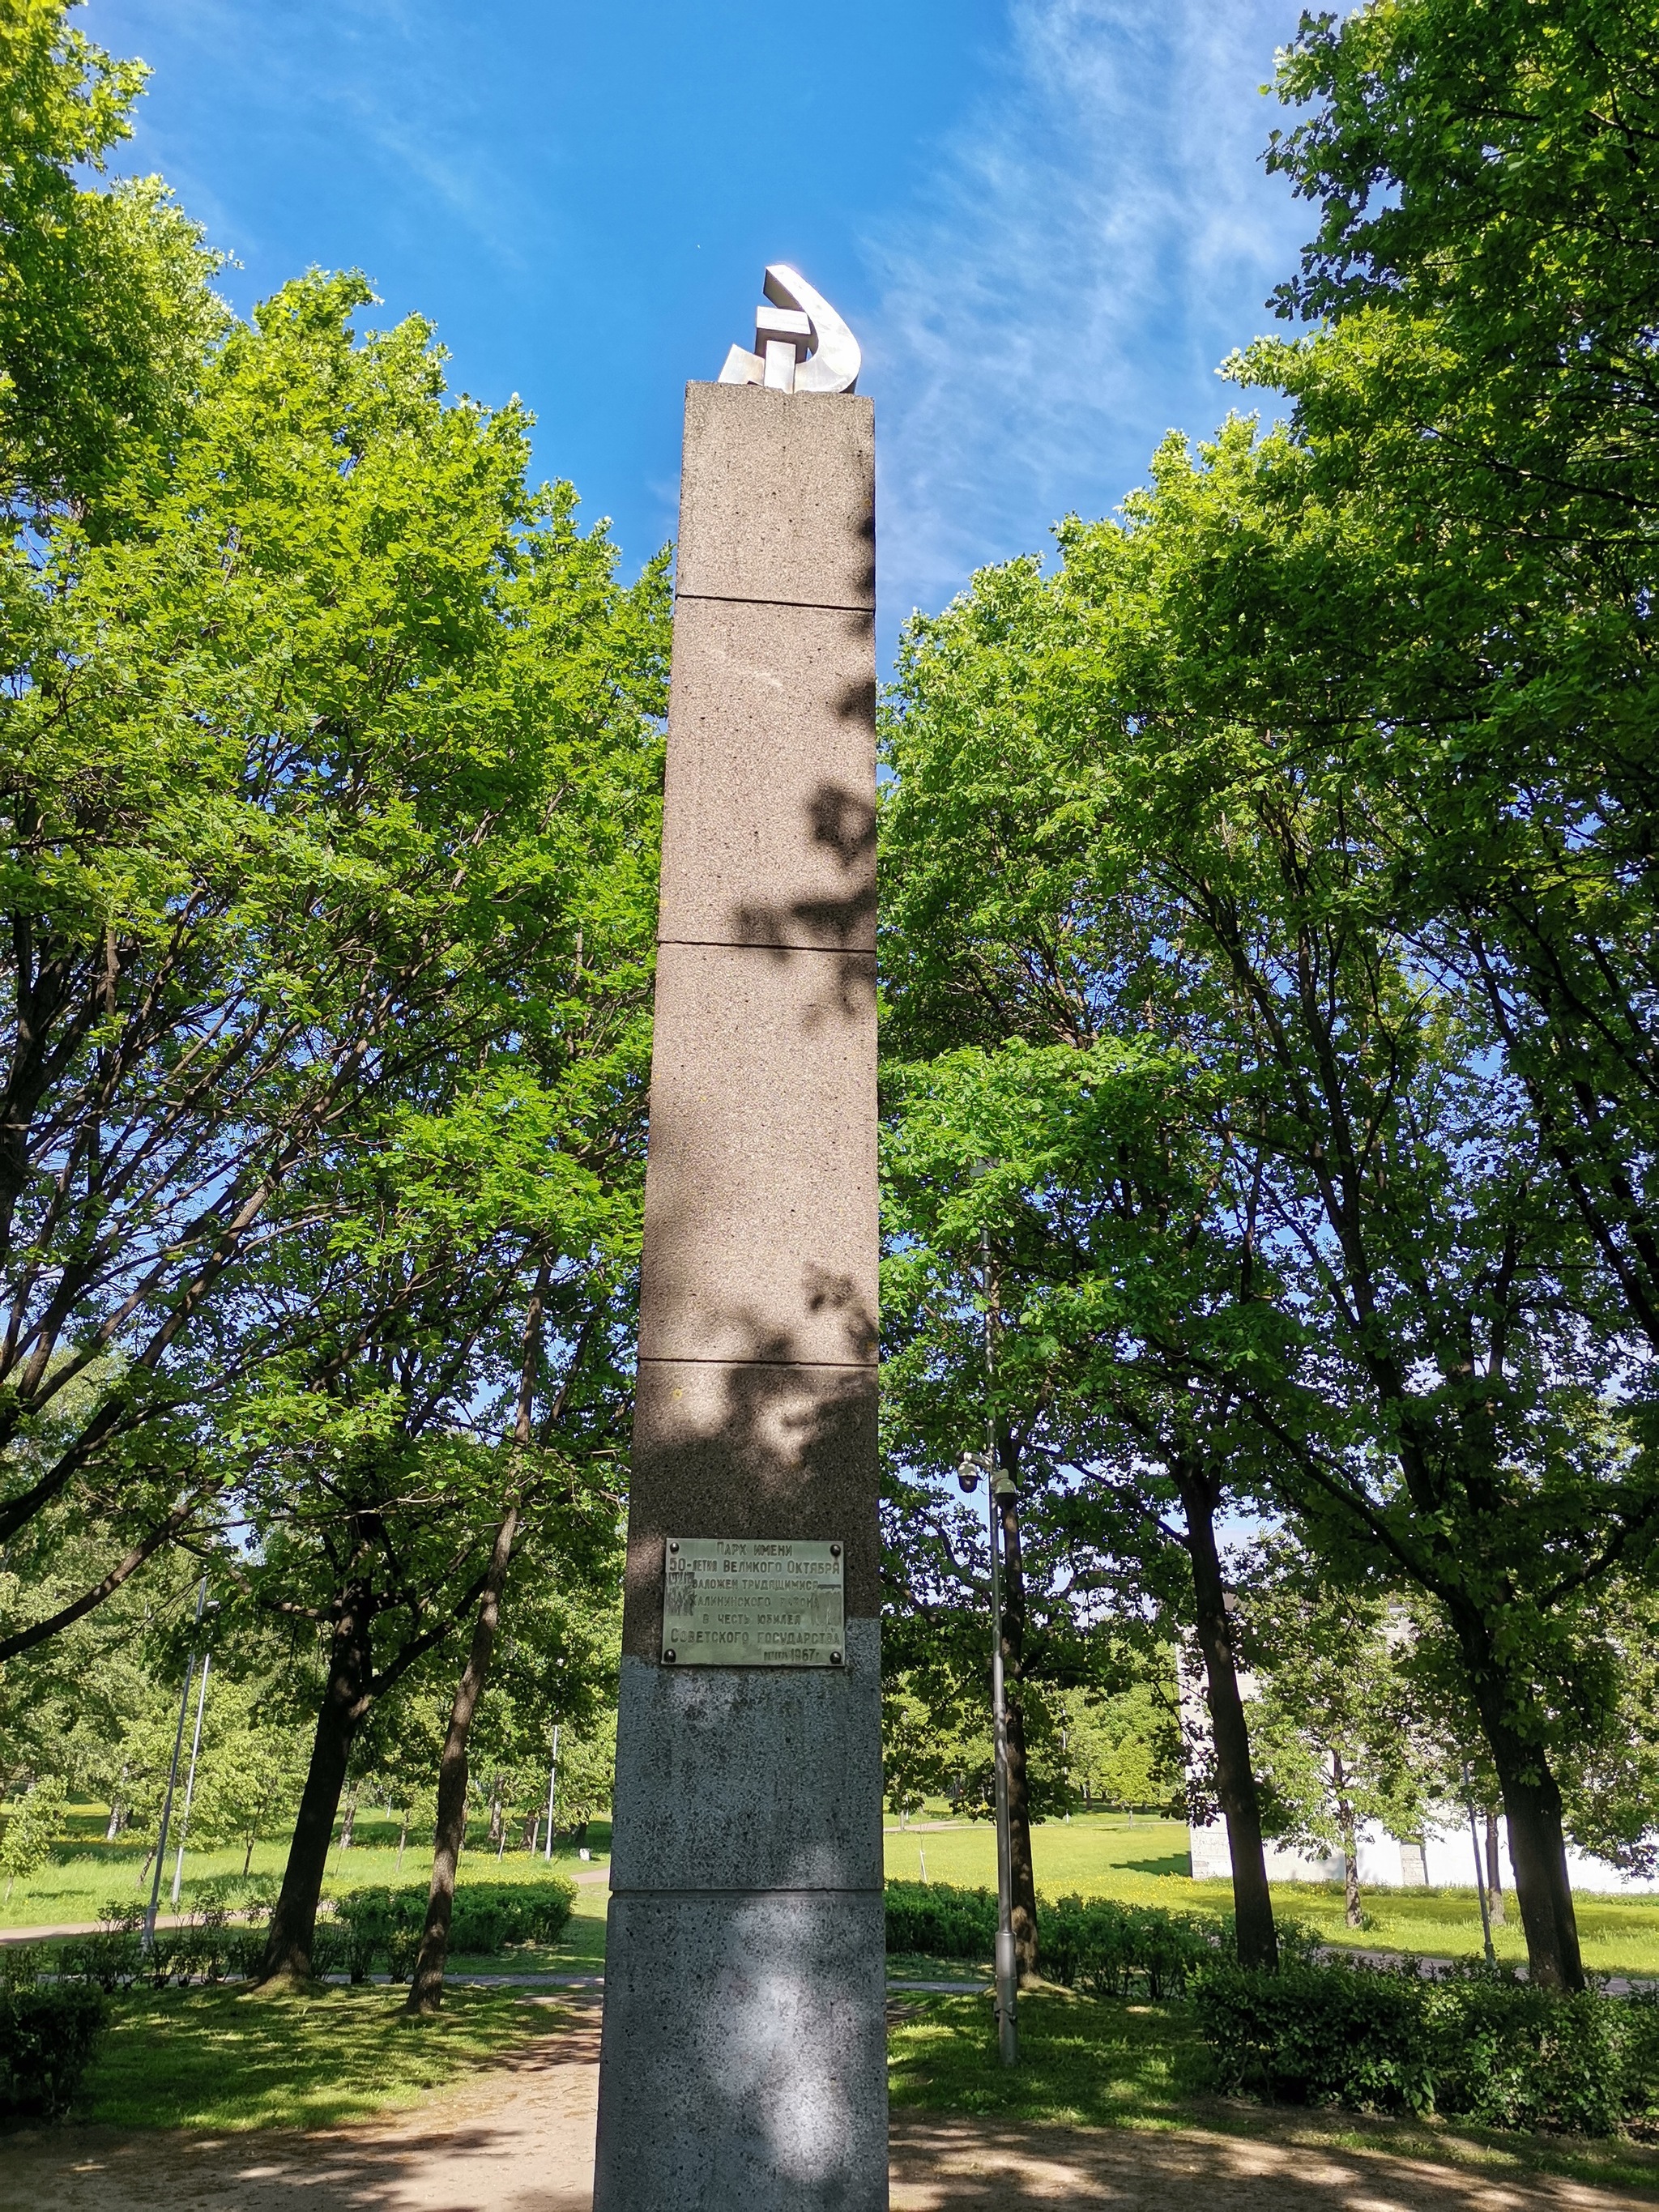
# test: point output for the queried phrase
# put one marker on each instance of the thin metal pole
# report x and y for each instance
(552, 1777)
(1007, 1973)
(190, 1782)
(149, 1940)
(1479, 1872)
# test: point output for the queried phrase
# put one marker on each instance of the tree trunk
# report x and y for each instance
(1023, 1876)
(349, 1826)
(247, 1856)
(402, 1837)
(497, 1817)
(426, 1988)
(345, 1701)
(1532, 1806)
(1494, 1873)
(1253, 1909)
(1538, 1853)
(1344, 1825)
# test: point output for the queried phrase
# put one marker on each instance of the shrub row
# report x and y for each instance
(369, 1929)
(385, 1924)
(1479, 2044)
(940, 1920)
(48, 2032)
(47, 2037)
(1092, 1944)
(1110, 1950)
(207, 1948)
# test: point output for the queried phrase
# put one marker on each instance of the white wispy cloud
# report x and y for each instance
(1098, 233)
(370, 75)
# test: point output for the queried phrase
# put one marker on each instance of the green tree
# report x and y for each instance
(397, 1750)
(32, 1828)
(1461, 533)
(106, 306)
(1124, 1231)
(922, 1755)
(1126, 1749)
(1334, 1722)
(958, 1254)
(332, 763)
(1184, 875)
(250, 1765)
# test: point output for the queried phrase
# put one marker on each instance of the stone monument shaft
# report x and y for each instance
(743, 2067)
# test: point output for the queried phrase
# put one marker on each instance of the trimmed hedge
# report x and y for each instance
(1108, 1949)
(207, 1948)
(940, 1920)
(1479, 2044)
(376, 1925)
(1093, 1944)
(369, 1929)
(47, 2037)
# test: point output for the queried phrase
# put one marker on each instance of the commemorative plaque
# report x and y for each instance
(746, 1602)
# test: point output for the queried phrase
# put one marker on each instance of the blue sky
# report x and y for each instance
(1046, 219)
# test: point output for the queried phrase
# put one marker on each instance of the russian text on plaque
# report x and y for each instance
(752, 1601)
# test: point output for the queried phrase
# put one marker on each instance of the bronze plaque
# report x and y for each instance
(752, 1601)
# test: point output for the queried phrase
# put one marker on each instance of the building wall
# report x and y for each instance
(1444, 1860)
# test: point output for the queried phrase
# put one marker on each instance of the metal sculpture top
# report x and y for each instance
(801, 344)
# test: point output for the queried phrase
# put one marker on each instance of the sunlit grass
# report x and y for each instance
(1100, 1855)
(85, 1872)
(232, 2058)
(1089, 2064)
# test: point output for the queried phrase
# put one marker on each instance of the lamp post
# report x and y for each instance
(999, 1488)
(1480, 1871)
(190, 1778)
(552, 1784)
(173, 1777)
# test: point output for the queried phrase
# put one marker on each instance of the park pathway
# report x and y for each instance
(520, 2139)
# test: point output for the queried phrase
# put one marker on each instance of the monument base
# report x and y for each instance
(744, 2063)
(751, 2030)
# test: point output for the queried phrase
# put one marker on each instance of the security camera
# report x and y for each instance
(969, 1469)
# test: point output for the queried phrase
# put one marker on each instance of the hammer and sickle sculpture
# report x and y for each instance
(801, 344)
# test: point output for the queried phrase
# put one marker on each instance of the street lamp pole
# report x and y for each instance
(1480, 1871)
(190, 1778)
(998, 1487)
(552, 1781)
(172, 1778)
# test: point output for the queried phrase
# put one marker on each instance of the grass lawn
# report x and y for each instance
(85, 1872)
(1100, 1855)
(1097, 1854)
(1085, 2063)
(224, 2059)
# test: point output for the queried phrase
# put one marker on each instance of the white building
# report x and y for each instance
(1444, 1860)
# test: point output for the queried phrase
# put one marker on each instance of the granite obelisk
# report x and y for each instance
(743, 2066)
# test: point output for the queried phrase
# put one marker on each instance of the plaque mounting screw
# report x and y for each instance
(835, 1551)
(835, 1658)
(673, 1544)
(669, 1655)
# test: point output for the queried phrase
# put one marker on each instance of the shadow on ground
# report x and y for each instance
(519, 2137)
(952, 2165)
(516, 2137)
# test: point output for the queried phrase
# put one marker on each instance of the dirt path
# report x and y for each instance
(948, 2165)
(521, 2139)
